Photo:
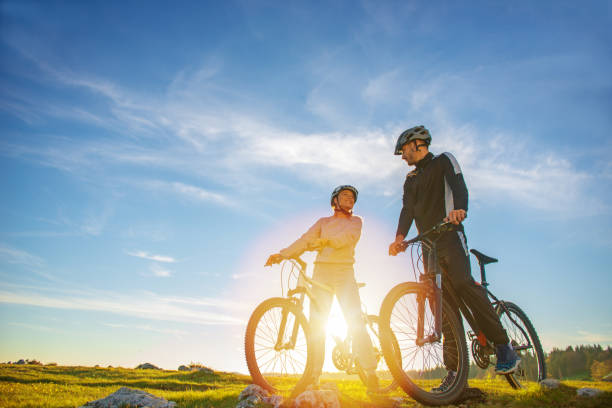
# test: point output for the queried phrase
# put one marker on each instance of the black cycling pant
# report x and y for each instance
(453, 258)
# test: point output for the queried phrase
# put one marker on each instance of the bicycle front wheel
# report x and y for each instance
(421, 368)
(525, 342)
(277, 347)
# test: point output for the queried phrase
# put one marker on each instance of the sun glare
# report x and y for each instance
(336, 325)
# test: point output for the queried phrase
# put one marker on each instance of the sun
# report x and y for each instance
(336, 325)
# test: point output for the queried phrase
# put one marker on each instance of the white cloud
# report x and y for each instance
(382, 89)
(199, 194)
(152, 257)
(33, 327)
(175, 332)
(146, 306)
(160, 271)
(221, 303)
(585, 337)
(19, 257)
(363, 157)
(216, 138)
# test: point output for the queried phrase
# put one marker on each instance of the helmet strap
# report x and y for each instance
(418, 146)
(338, 208)
(343, 211)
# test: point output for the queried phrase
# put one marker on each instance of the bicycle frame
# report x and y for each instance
(432, 289)
(303, 289)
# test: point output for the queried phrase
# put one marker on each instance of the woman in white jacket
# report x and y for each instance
(335, 238)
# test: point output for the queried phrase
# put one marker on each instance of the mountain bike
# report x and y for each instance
(422, 318)
(277, 340)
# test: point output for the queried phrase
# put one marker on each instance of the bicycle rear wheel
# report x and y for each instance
(422, 367)
(277, 345)
(525, 342)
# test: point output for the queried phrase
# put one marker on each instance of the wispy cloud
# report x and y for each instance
(199, 193)
(152, 257)
(175, 332)
(237, 276)
(222, 141)
(160, 271)
(220, 303)
(33, 327)
(19, 257)
(593, 338)
(145, 306)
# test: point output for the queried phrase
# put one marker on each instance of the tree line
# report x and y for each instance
(593, 362)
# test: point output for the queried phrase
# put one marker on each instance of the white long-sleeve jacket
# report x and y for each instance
(341, 233)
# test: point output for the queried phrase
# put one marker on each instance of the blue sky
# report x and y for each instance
(153, 156)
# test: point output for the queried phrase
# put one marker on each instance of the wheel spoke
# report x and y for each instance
(423, 366)
(289, 360)
(524, 339)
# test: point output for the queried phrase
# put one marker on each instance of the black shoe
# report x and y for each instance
(446, 382)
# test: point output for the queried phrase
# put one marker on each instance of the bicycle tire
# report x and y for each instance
(532, 366)
(375, 338)
(269, 367)
(421, 367)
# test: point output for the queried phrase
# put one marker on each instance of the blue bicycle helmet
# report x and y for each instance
(417, 132)
(338, 189)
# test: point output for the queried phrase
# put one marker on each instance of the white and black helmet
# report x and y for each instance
(338, 189)
(414, 133)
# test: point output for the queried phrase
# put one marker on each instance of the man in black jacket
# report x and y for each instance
(434, 191)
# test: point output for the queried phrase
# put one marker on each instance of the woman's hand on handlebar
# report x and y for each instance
(456, 216)
(274, 259)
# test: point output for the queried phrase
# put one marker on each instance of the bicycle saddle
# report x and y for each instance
(482, 258)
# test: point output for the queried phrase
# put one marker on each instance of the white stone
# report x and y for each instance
(317, 399)
(133, 398)
(147, 366)
(252, 395)
(588, 392)
(253, 390)
(550, 383)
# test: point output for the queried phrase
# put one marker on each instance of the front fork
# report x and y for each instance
(432, 290)
(280, 343)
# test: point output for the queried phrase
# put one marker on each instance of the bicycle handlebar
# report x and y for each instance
(440, 227)
(300, 262)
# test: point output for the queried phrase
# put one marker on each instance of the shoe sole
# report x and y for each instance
(509, 370)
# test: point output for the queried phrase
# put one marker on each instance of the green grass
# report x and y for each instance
(54, 387)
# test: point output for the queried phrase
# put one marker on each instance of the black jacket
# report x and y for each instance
(431, 191)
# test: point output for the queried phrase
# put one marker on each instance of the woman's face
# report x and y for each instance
(346, 199)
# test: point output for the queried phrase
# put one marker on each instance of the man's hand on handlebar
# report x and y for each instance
(397, 246)
(274, 259)
(456, 216)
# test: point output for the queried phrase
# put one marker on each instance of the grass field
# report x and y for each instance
(53, 386)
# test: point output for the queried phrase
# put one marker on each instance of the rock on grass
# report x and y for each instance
(125, 396)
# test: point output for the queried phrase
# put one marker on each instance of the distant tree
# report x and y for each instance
(600, 369)
(576, 361)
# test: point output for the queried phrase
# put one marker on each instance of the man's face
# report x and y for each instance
(409, 153)
(346, 199)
